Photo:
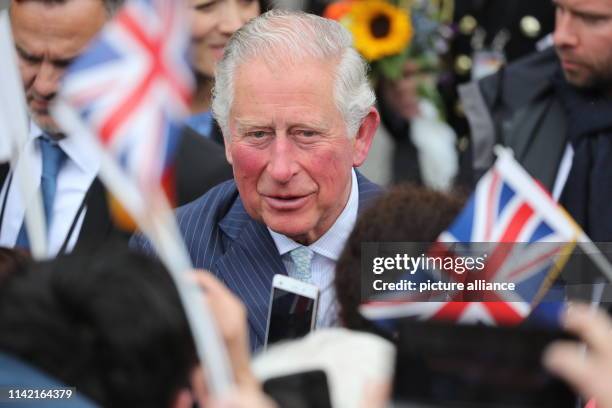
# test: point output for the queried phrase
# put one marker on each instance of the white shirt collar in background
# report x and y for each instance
(74, 179)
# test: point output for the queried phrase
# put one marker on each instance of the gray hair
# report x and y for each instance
(296, 35)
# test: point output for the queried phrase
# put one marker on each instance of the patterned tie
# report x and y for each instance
(52, 159)
(302, 258)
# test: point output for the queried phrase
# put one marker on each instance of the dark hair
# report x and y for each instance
(406, 213)
(110, 324)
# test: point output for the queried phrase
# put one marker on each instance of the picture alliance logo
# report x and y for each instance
(410, 264)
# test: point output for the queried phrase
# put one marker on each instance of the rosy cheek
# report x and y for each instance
(329, 168)
(247, 161)
(330, 162)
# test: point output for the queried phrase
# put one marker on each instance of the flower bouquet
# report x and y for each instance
(388, 33)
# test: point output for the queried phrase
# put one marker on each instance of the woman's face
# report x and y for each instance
(214, 22)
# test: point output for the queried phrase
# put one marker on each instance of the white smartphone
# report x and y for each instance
(292, 312)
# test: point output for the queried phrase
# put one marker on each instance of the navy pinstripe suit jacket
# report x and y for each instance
(221, 237)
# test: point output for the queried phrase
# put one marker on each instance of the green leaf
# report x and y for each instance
(392, 67)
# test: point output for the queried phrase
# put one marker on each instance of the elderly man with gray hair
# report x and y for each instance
(297, 113)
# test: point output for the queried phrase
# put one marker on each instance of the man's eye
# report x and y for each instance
(589, 19)
(306, 133)
(30, 59)
(258, 134)
(64, 63)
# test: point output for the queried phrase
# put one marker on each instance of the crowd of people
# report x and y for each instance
(268, 184)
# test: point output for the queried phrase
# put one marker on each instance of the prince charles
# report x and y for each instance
(297, 113)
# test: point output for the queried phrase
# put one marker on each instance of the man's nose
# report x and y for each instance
(231, 18)
(565, 35)
(283, 165)
(47, 80)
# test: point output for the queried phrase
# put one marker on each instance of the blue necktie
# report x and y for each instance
(52, 159)
(302, 258)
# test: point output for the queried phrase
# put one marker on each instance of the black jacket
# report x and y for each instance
(518, 108)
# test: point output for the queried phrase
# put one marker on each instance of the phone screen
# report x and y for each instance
(477, 366)
(290, 315)
(304, 389)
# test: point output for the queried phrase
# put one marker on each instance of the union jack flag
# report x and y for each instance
(133, 87)
(525, 238)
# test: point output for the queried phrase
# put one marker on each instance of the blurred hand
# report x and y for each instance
(588, 371)
(231, 317)
(401, 95)
(243, 399)
(376, 395)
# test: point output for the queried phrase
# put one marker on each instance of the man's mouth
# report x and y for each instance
(569, 64)
(286, 202)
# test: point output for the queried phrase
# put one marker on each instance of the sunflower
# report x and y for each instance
(379, 29)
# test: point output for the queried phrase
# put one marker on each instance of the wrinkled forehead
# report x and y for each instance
(56, 29)
(262, 76)
(284, 94)
(282, 62)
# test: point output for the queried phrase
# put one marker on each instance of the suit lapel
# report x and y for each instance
(248, 265)
(98, 227)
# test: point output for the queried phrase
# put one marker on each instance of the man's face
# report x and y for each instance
(48, 36)
(583, 39)
(289, 146)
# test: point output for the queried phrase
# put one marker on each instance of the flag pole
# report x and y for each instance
(159, 224)
(12, 111)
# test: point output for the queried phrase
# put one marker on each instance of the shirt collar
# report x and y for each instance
(78, 150)
(331, 243)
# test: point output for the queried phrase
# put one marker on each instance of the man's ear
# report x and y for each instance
(364, 137)
(228, 153)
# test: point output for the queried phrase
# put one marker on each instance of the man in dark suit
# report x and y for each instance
(297, 113)
(48, 35)
(554, 110)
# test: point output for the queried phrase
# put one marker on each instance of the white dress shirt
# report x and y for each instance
(74, 179)
(327, 250)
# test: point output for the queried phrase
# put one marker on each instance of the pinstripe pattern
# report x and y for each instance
(224, 239)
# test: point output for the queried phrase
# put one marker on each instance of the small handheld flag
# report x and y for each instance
(527, 238)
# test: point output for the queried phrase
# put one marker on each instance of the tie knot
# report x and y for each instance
(302, 258)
